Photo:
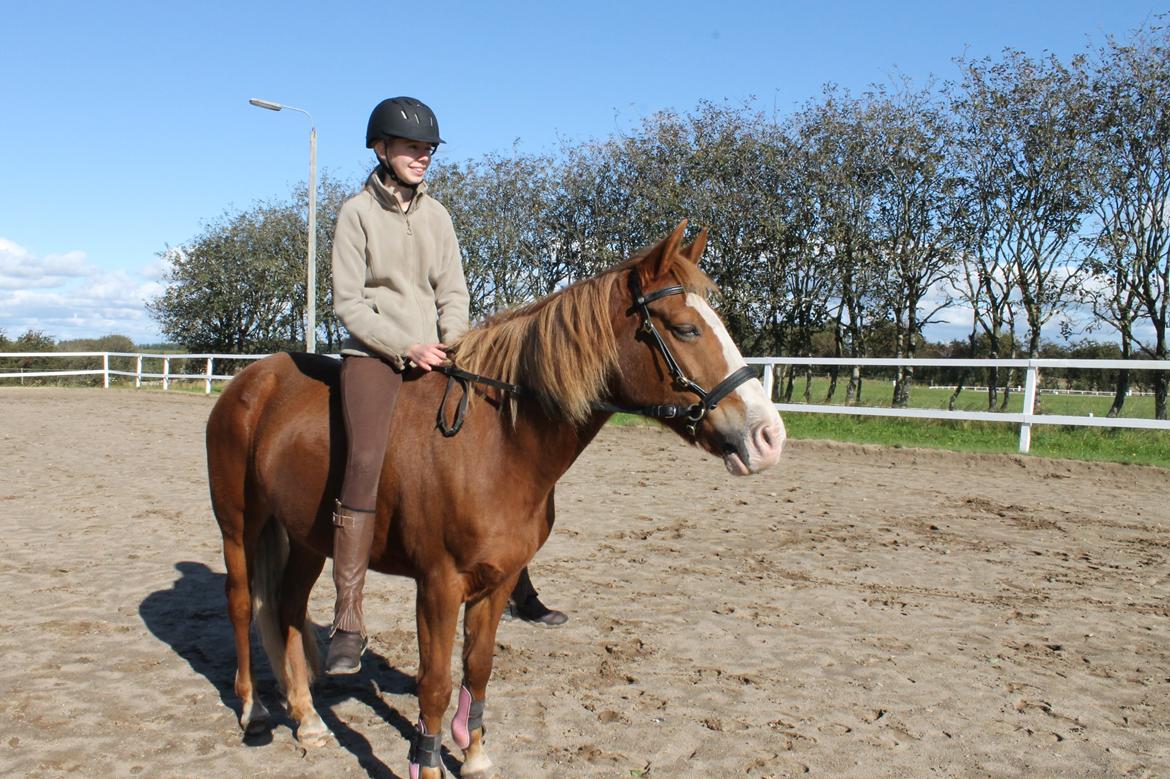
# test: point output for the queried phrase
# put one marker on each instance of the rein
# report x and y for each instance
(461, 377)
(693, 414)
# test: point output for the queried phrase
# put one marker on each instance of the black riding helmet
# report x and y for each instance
(402, 117)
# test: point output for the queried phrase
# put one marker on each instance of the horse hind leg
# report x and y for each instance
(283, 574)
(267, 567)
(302, 658)
(253, 714)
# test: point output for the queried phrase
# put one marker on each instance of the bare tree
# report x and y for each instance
(913, 214)
(499, 207)
(844, 178)
(1131, 90)
(1025, 123)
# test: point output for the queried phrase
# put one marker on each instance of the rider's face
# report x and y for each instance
(409, 159)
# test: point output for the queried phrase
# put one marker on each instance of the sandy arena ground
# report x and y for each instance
(855, 612)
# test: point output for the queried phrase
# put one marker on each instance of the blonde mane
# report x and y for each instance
(561, 348)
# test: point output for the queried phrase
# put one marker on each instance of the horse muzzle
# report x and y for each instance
(756, 450)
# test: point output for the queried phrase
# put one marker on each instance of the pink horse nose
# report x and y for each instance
(769, 441)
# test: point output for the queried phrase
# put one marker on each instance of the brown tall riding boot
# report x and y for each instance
(353, 533)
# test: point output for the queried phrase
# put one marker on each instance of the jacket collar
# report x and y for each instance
(385, 195)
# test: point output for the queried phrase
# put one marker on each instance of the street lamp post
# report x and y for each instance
(311, 292)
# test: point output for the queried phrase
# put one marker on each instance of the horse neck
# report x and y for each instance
(551, 445)
(558, 442)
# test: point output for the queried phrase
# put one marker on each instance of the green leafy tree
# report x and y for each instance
(844, 177)
(331, 193)
(498, 206)
(240, 285)
(29, 341)
(913, 216)
(234, 287)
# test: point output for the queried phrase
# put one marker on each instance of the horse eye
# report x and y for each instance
(686, 331)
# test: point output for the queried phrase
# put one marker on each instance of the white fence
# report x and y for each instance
(1025, 419)
(167, 376)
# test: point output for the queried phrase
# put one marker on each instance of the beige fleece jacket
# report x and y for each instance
(397, 277)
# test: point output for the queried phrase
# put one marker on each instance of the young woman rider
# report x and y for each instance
(396, 273)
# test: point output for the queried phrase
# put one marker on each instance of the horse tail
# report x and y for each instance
(267, 575)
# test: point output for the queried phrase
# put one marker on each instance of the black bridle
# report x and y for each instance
(692, 414)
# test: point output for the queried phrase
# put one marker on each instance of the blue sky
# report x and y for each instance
(125, 126)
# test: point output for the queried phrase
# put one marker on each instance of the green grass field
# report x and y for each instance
(1146, 447)
(875, 393)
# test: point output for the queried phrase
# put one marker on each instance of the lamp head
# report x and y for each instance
(265, 104)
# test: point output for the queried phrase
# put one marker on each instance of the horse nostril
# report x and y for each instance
(769, 438)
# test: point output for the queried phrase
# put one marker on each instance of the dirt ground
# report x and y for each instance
(855, 612)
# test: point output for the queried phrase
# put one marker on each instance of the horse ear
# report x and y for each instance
(695, 250)
(658, 259)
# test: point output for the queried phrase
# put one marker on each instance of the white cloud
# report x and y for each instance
(64, 296)
(20, 270)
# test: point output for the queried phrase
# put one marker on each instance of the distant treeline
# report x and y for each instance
(36, 341)
(1028, 188)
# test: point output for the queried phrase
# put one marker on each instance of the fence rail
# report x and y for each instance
(1025, 419)
(167, 376)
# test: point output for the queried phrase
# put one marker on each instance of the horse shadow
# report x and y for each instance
(191, 618)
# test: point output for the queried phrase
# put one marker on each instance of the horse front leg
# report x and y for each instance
(481, 619)
(437, 613)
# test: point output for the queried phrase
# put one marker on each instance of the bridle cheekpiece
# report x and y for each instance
(694, 413)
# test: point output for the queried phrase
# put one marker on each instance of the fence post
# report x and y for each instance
(138, 372)
(106, 370)
(166, 372)
(769, 379)
(207, 385)
(1029, 407)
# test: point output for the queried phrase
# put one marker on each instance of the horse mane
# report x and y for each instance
(561, 348)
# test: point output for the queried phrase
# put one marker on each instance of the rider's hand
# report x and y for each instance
(426, 356)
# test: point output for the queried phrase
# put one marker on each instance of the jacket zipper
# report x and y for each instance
(406, 214)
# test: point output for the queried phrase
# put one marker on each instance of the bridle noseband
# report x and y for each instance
(692, 414)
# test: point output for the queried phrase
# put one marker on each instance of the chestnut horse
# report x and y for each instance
(462, 515)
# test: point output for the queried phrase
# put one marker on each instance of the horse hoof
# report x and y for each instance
(486, 774)
(312, 732)
(479, 767)
(254, 719)
(256, 727)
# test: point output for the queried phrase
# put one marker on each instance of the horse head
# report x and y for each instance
(676, 352)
